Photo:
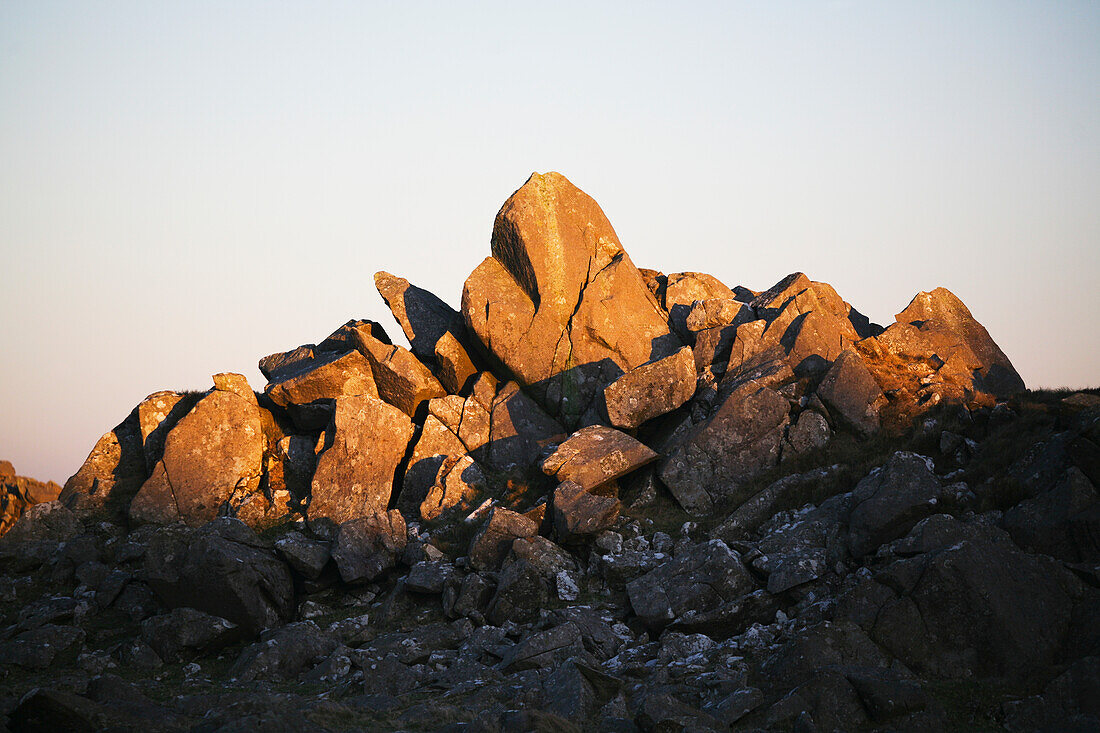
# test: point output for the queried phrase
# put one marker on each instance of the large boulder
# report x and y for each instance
(224, 569)
(890, 500)
(213, 460)
(402, 380)
(577, 514)
(941, 312)
(560, 303)
(742, 438)
(518, 430)
(494, 539)
(355, 473)
(436, 332)
(327, 377)
(851, 393)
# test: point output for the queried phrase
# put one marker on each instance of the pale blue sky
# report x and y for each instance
(186, 187)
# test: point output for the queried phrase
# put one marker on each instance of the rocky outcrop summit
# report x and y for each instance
(595, 497)
(19, 493)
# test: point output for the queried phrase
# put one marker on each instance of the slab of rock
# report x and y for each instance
(650, 390)
(435, 445)
(941, 310)
(851, 393)
(222, 568)
(545, 649)
(436, 332)
(327, 377)
(283, 654)
(560, 303)
(596, 455)
(276, 365)
(742, 438)
(578, 514)
(368, 546)
(213, 459)
(399, 376)
(680, 292)
(186, 632)
(307, 556)
(709, 575)
(491, 544)
(355, 473)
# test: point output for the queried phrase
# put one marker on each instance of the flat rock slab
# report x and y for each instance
(651, 390)
(324, 378)
(595, 455)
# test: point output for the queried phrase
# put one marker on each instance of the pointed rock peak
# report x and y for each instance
(789, 286)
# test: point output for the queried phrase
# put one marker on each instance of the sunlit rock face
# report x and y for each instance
(560, 303)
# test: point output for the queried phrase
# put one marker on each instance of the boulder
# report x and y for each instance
(18, 493)
(809, 432)
(222, 568)
(307, 556)
(742, 438)
(187, 632)
(110, 476)
(283, 654)
(890, 500)
(1063, 522)
(942, 311)
(578, 514)
(707, 576)
(596, 455)
(326, 377)
(491, 544)
(682, 290)
(355, 472)
(369, 545)
(651, 389)
(436, 445)
(399, 376)
(545, 649)
(851, 393)
(436, 332)
(213, 461)
(157, 415)
(560, 303)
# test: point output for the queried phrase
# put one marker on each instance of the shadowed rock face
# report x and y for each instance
(560, 303)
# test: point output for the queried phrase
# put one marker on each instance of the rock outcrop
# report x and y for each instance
(598, 493)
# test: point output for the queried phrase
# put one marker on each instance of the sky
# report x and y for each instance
(187, 187)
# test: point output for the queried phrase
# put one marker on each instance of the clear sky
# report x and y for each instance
(186, 187)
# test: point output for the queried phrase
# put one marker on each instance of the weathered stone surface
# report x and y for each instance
(578, 514)
(491, 544)
(852, 394)
(809, 432)
(717, 312)
(1063, 522)
(651, 389)
(459, 486)
(42, 647)
(399, 376)
(742, 438)
(283, 654)
(274, 366)
(890, 500)
(429, 577)
(213, 459)
(436, 332)
(680, 292)
(518, 430)
(307, 556)
(222, 568)
(369, 545)
(111, 475)
(355, 473)
(157, 415)
(545, 648)
(708, 576)
(327, 377)
(187, 632)
(595, 455)
(942, 311)
(984, 609)
(435, 445)
(559, 302)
